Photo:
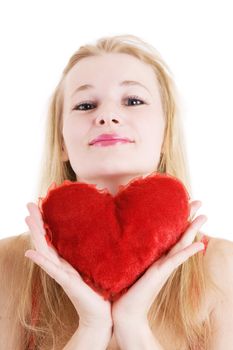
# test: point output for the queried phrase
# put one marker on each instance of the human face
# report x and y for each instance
(106, 108)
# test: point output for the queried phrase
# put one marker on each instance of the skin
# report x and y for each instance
(110, 110)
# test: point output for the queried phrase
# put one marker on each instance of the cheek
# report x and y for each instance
(152, 132)
(73, 132)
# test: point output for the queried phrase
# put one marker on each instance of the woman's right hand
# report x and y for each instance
(92, 309)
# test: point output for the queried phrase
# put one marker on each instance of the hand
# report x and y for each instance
(92, 309)
(134, 305)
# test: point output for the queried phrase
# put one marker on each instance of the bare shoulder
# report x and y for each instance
(14, 242)
(218, 260)
(12, 248)
(12, 265)
(12, 260)
(218, 256)
(219, 265)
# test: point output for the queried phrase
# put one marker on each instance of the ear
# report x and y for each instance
(65, 156)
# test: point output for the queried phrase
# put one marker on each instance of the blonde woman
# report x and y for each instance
(184, 300)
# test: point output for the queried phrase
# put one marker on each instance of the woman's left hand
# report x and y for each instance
(134, 305)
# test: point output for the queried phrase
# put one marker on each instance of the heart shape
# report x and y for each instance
(112, 240)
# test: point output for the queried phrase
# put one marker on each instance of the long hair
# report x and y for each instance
(177, 306)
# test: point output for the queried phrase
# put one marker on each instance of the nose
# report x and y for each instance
(108, 113)
(107, 120)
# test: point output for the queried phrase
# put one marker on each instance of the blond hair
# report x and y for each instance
(179, 302)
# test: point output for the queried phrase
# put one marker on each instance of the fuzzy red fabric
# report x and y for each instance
(112, 240)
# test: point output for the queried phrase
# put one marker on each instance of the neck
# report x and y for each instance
(111, 183)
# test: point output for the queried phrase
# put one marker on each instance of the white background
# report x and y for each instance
(194, 38)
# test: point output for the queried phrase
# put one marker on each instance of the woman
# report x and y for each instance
(120, 85)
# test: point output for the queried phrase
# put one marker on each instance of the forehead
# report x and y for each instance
(110, 68)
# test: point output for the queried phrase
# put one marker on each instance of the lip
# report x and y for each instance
(105, 143)
(104, 138)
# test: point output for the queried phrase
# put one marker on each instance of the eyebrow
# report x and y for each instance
(123, 83)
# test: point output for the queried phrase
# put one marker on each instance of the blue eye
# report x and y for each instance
(131, 98)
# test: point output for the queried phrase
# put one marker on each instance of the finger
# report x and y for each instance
(39, 240)
(171, 263)
(52, 269)
(194, 206)
(35, 212)
(156, 276)
(189, 235)
(68, 278)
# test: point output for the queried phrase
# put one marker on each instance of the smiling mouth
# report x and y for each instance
(103, 143)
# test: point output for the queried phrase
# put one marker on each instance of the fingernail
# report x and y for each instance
(201, 245)
(204, 219)
(29, 253)
(204, 242)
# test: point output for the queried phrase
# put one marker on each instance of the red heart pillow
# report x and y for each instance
(112, 240)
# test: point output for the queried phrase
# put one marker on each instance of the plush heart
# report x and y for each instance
(112, 240)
